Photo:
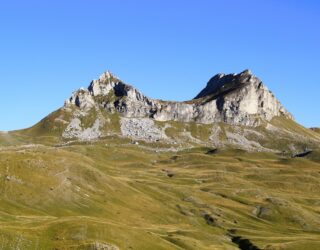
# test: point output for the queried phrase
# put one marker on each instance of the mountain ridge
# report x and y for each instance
(248, 97)
(241, 113)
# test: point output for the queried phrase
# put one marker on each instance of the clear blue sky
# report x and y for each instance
(166, 48)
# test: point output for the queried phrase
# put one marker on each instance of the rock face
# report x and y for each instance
(74, 130)
(236, 99)
(141, 128)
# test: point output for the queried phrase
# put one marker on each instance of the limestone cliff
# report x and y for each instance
(236, 99)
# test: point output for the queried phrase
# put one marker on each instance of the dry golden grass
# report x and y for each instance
(132, 197)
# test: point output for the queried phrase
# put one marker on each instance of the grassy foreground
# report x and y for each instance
(115, 195)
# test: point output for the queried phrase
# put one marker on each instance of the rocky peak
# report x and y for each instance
(104, 84)
(221, 83)
(107, 76)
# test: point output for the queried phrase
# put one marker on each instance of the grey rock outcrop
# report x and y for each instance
(141, 128)
(242, 98)
(74, 130)
(237, 99)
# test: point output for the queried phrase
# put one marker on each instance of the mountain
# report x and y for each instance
(237, 99)
(233, 110)
(113, 169)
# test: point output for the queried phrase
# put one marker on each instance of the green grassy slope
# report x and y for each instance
(110, 192)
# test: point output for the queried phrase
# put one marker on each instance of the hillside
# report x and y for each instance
(113, 169)
(114, 193)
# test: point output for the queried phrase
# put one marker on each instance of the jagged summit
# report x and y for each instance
(102, 85)
(107, 75)
(221, 81)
